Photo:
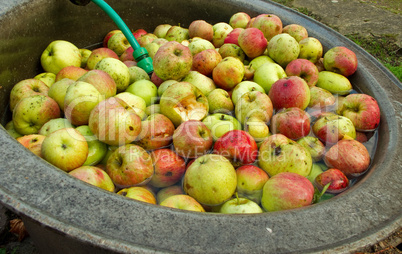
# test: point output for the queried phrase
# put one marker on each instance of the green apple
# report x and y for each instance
(198, 44)
(59, 54)
(183, 101)
(219, 101)
(94, 176)
(254, 104)
(260, 60)
(278, 154)
(135, 102)
(183, 202)
(166, 192)
(154, 46)
(136, 73)
(139, 193)
(96, 149)
(46, 77)
(58, 91)
(334, 82)
(54, 125)
(32, 112)
(177, 33)
(267, 74)
(315, 171)
(220, 123)
(85, 53)
(243, 87)
(25, 88)
(314, 146)
(118, 43)
(250, 181)
(210, 179)
(165, 84)
(11, 130)
(144, 89)
(283, 49)
(257, 128)
(161, 30)
(117, 70)
(311, 49)
(202, 82)
(240, 205)
(66, 149)
(221, 30)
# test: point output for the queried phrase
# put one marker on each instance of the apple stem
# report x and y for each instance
(238, 199)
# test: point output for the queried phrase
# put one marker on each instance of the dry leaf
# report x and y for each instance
(17, 227)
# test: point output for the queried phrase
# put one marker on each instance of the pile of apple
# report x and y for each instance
(248, 116)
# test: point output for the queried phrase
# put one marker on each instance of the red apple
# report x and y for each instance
(32, 142)
(303, 68)
(238, 146)
(337, 180)
(127, 55)
(192, 139)
(250, 181)
(184, 202)
(330, 128)
(340, 60)
(292, 122)
(252, 42)
(137, 33)
(290, 92)
(169, 168)
(95, 176)
(349, 156)
(102, 81)
(269, 24)
(71, 72)
(205, 61)
(233, 36)
(202, 29)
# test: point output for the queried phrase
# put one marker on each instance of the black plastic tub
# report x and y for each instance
(65, 215)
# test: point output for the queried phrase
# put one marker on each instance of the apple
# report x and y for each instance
(229, 49)
(239, 20)
(330, 128)
(219, 101)
(139, 193)
(127, 55)
(183, 101)
(11, 130)
(66, 149)
(154, 46)
(269, 24)
(289, 92)
(146, 39)
(94, 176)
(169, 191)
(292, 122)
(320, 98)
(118, 43)
(117, 70)
(303, 68)
(349, 156)
(58, 91)
(59, 54)
(71, 72)
(156, 80)
(102, 81)
(254, 104)
(285, 191)
(252, 42)
(32, 142)
(244, 87)
(283, 49)
(228, 73)
(130, 165)
(169, 168)
(144, 89)
(96, 149)
(137, 103)
(197, 44)
(183, 202)
(314, 146)
(267, 74)
(85, 53)
(255, 63)
(278, 154)
(114, 122)
(137, 33)
(99, 54)
(156, 132)
(165, 84)
(250, 181)
(238, 146)
(362, 110)
(46, 77)
(202, 29)
(137, 73)
(177, 34)
(153, 109)
(107, 37)
(240, 205)
(26, 88)
(210, 179)
(172, 61)
(221, 30)
(257, 128)
(340, 60)
(336, 179)
(316, 169)
(205, 61)
(311, 49)
(334, 83)
(233, 36)
(161, 30)
(130, 63)
(81, 97)
(202, 82)
(220, 123)
(32, 112)
(192, 139)
(54, 125)
(297, 31)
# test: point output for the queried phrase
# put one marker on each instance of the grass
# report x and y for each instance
(382, 48)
